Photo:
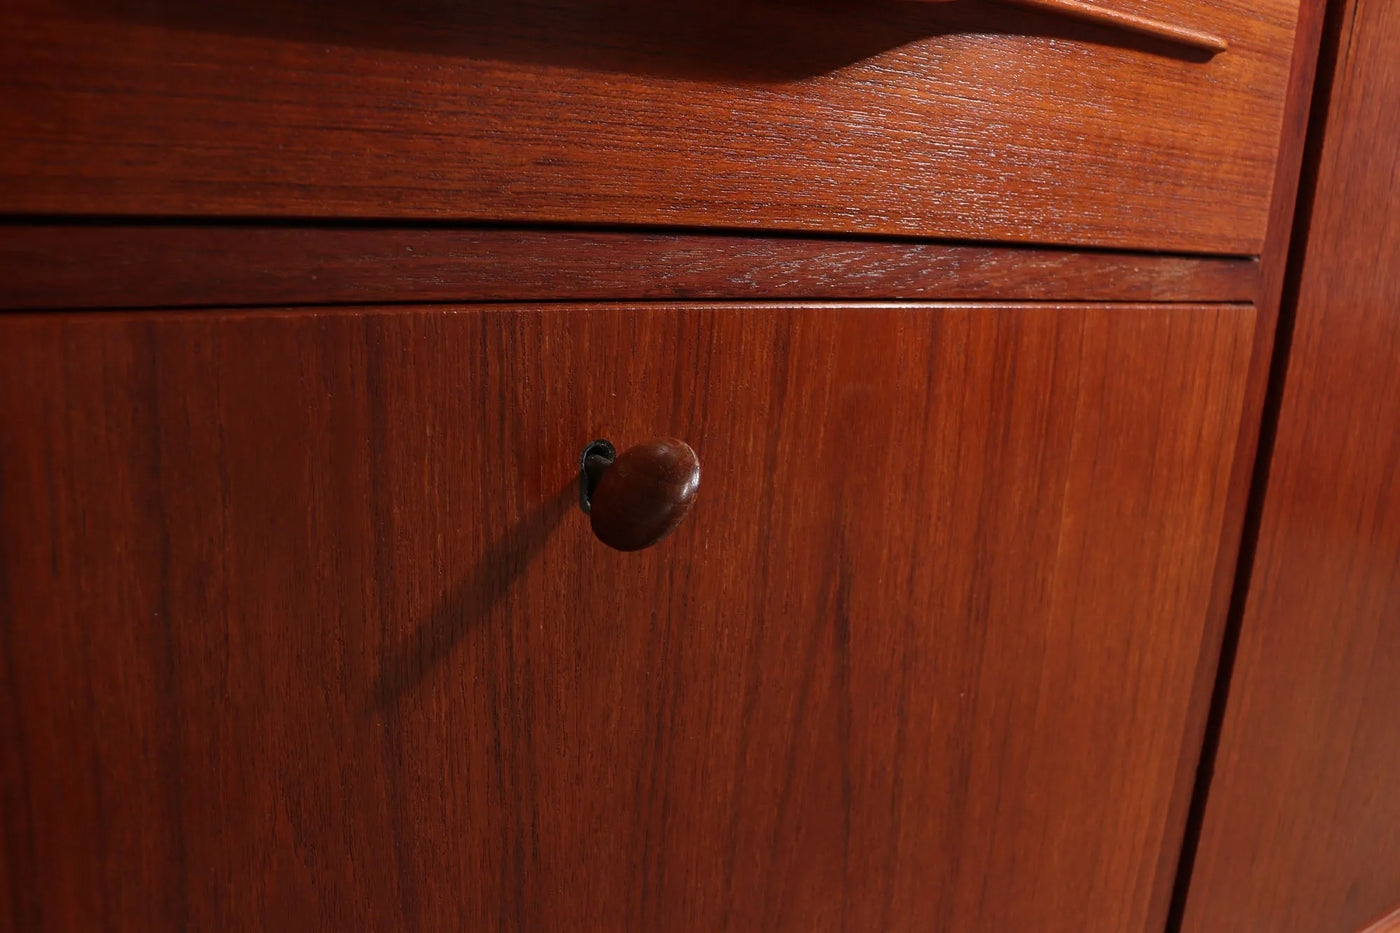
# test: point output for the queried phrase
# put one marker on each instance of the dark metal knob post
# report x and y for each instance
(636, 498)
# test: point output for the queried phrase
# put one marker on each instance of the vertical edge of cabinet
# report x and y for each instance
(1297, 829)
(1172, 877)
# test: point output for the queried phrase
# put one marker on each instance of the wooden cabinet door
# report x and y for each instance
(303, 627)
(1301, 828)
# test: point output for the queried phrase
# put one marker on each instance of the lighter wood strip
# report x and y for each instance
(1131, 22)
(1390, 923)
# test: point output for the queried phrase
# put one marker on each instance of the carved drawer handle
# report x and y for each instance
(635, 499)
(1131, 22)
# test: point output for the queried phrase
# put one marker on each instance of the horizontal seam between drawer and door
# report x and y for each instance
(717, 233)
(646, 306)
(100, 263)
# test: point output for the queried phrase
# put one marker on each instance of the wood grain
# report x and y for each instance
(106, 266)
(1300, 822)
(302, 624)
(1184, 823)
(962, 120)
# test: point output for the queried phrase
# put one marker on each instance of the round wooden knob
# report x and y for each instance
(640, 496)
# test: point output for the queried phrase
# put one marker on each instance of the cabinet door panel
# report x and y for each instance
(303, 626)
(1300, 831)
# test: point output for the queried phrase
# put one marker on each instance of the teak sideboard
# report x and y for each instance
(997, 529)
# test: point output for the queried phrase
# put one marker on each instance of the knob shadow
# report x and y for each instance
(467, 606)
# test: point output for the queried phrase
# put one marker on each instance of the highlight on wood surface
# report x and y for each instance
(1090, 12)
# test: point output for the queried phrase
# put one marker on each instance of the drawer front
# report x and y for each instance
(303, 623)
(966, 119)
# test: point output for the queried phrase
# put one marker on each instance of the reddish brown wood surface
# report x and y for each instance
(151, 266)
(1300, 825)
(302, 624)
(963, 120)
